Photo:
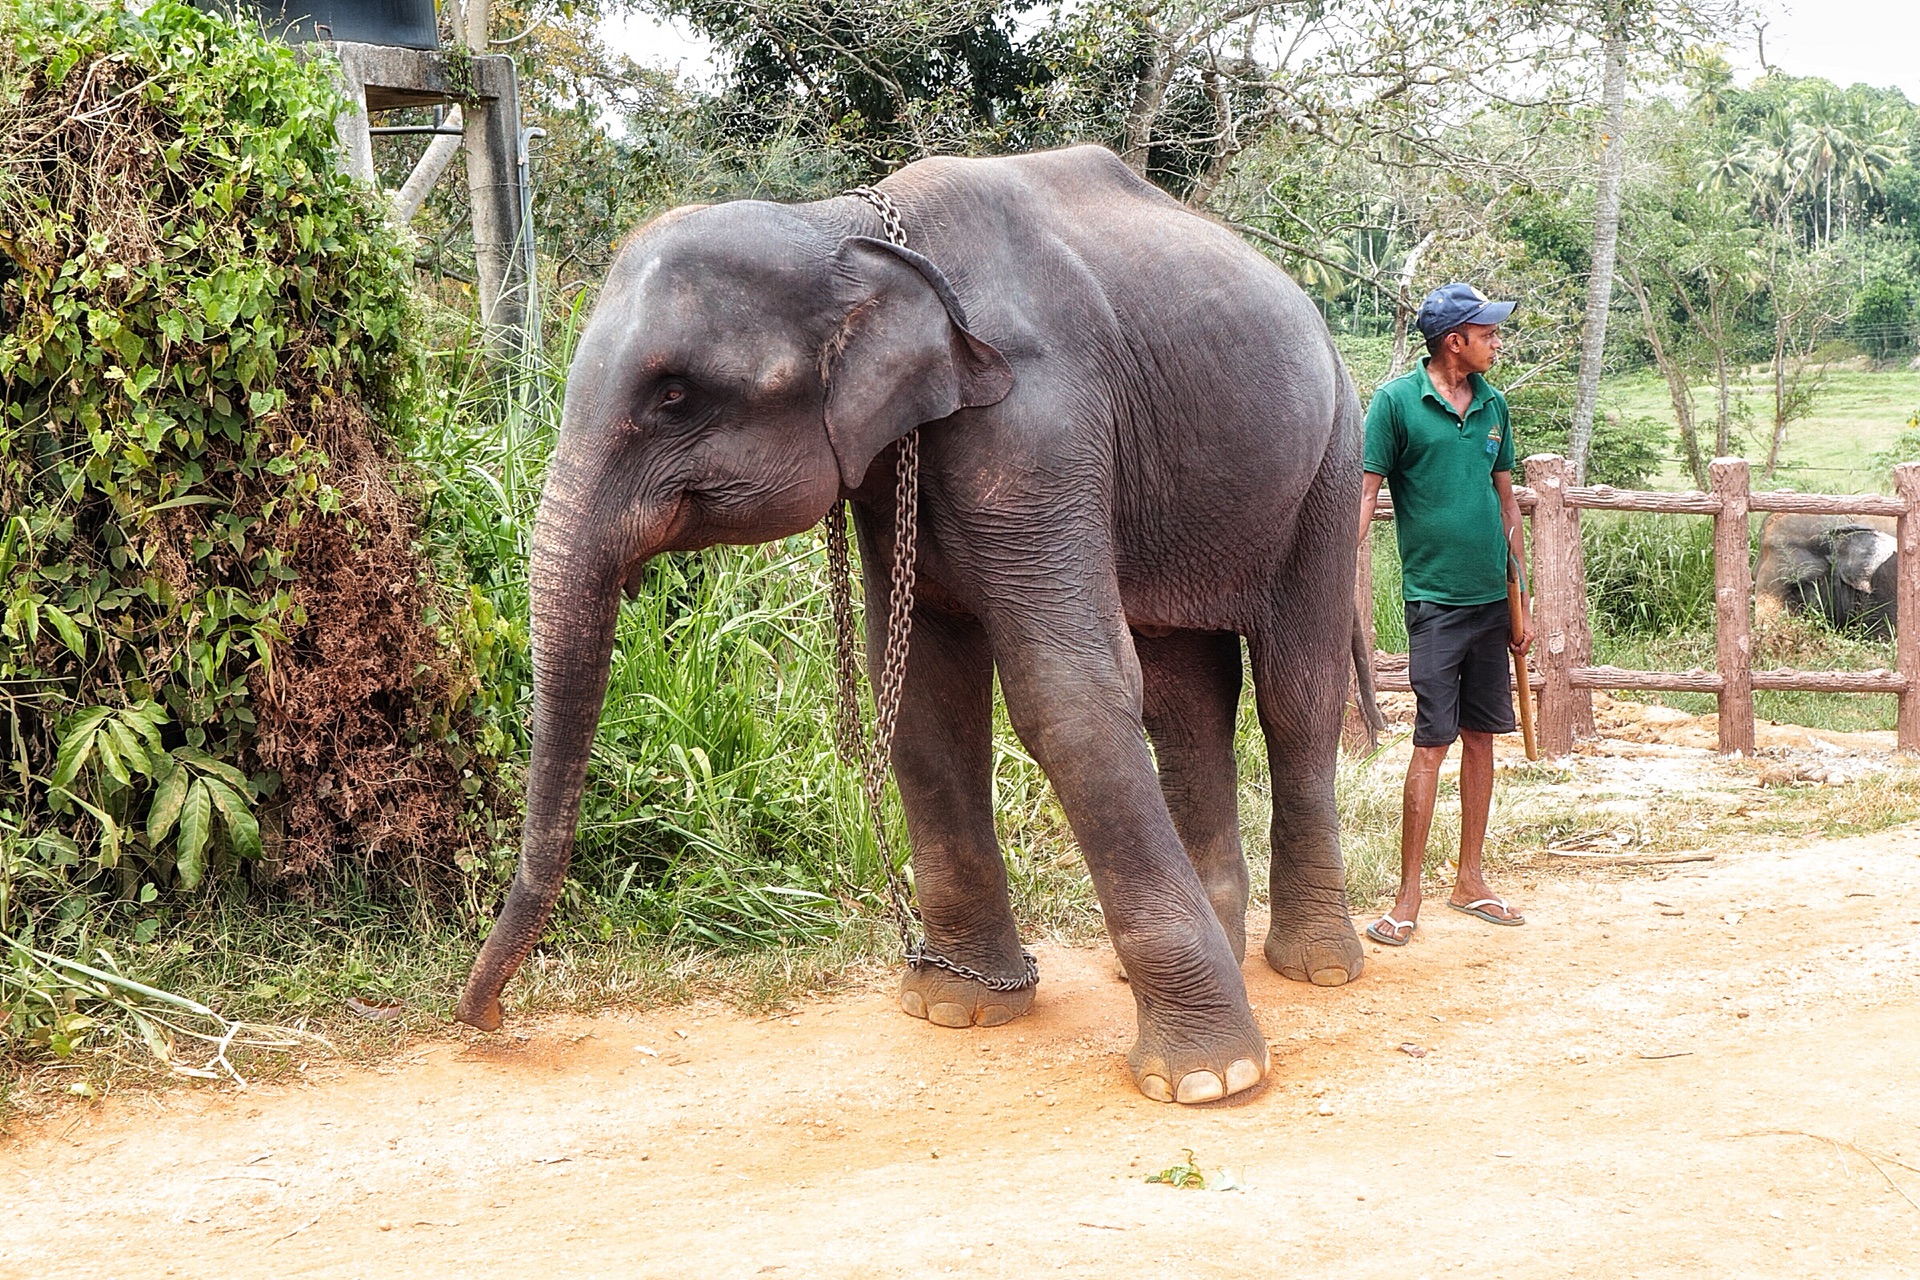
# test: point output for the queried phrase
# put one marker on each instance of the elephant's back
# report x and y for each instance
(1073, 252)
(1148, 253)
(1223, 400)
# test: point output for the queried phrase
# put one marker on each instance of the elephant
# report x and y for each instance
(1138, 444)
(1844, 568)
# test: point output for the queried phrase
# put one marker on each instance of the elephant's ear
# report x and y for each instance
(903, 355)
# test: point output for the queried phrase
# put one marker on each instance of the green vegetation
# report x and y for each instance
(222, 659)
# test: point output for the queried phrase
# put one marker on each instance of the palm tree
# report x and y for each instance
(1821, 139)
(1870, 146)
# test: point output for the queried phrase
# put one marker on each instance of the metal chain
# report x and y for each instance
(871, 755)
(889, 212)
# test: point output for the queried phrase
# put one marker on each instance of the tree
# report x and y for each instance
(1808, 301)
(888, 81)
(1626, 31)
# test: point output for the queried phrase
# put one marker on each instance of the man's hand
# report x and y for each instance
(1525, 640)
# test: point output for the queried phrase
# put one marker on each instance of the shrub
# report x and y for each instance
(1882, 319)
(218, 642)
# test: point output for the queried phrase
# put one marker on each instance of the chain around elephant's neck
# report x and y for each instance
(870, 755)
(889, 212)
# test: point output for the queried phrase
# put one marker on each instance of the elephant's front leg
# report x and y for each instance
(1075, 697)
(943, 759)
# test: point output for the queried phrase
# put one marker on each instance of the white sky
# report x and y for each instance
(1847, 41)
(1874, 42)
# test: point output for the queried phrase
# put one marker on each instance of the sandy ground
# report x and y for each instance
(1700, 1070)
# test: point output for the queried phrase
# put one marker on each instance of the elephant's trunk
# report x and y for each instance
(574, 581)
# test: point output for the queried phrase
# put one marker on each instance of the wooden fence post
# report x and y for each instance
(1906, 483)
(1732, 595)
(1553, 608)
(1579, 630)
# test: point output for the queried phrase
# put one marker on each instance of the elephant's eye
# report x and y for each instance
(673, 395)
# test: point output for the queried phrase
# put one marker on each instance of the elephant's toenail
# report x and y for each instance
(948, 1014)
(1330, 977)
(1155, 1087)
(993, 1015)
(1243, 1074)
(914, 1003)
(1200, 1086)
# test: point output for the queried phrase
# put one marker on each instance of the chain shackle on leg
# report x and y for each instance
(871, 755)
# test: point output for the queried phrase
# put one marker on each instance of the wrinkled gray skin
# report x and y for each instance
(1842, 568)
(1140, 446)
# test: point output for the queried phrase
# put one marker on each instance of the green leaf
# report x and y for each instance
(110, 759)
(145, 718)
(156, 1043)
(243, 832)
(195, 816)
(77, 746)
(218, 768)
(167, 802)
(70, 632)
(129, 749)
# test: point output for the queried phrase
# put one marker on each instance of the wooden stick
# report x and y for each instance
(1553, 576)
(1516, 627)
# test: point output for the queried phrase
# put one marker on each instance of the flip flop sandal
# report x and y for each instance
(1390, 937)
(1478, 907)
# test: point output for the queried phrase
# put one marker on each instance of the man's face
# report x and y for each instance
(1476, 346)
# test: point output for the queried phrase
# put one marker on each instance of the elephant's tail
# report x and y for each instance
(1363, 675)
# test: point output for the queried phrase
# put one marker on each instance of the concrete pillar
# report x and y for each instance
(493, 186)
(350, 126)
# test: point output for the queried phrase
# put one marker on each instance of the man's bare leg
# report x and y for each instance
(1476, 799)
(1417, 800)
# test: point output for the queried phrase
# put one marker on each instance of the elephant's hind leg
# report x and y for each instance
(943, 759)
(1191, 694)
(1300, 688)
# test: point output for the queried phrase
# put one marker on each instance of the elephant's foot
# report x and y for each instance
(1199, 1067)
(949, 1000)
(1325, 952)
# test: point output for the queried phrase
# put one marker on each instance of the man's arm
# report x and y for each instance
(1516, 545)
(1370, 498)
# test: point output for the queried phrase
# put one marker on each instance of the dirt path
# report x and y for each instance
(1547, 1131)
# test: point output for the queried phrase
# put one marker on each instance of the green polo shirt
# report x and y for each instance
(1439, 465)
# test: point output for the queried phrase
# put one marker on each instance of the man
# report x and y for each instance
(1439, 436)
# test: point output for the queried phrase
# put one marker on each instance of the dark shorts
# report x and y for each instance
(1457, 663)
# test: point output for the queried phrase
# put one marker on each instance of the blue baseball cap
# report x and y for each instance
(1452, 305)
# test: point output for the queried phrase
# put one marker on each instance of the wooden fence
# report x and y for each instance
(1562, 676)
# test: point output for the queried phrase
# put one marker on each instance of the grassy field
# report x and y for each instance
(1856, 413)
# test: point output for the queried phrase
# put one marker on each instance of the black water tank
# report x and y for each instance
(406, 23)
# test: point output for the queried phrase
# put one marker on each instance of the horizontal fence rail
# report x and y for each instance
(1562, 676)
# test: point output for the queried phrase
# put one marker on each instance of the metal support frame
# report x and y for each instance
(383, 78)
